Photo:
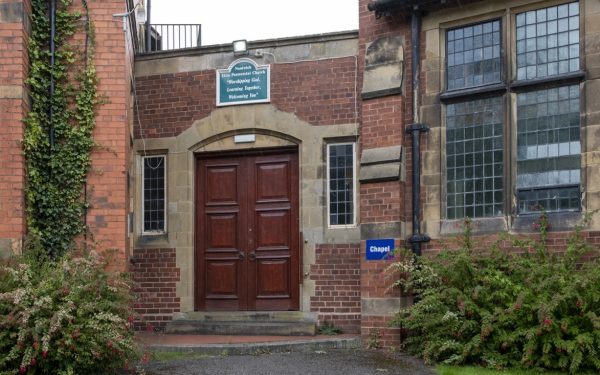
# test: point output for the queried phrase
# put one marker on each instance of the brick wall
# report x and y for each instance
(107, 183)
(381, 202)
(336, 273)
(319, 92)
(155, 276)
(383, 124)
(556, 241)
(377, 333)
(14, 21)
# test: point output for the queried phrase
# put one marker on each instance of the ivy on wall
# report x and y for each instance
(57, 148)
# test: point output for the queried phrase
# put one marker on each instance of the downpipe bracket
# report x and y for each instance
(421, 128)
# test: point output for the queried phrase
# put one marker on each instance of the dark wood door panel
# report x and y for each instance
(222, 231)
(273, 229)
(273, 277)
(221, 278)
(272, 181)
(221, 187)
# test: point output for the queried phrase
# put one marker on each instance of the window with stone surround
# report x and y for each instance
(341, 184)
(517, 137)
(154, 194)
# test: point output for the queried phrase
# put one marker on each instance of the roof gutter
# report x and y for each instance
(384, 7)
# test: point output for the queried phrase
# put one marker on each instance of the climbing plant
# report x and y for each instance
(58, 129)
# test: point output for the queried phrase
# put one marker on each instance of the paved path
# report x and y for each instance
(331, 362)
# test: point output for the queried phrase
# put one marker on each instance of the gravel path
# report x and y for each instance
(333, 362)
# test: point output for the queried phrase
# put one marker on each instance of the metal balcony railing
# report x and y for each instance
(168, 37)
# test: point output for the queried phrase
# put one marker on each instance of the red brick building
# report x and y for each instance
(258, 182)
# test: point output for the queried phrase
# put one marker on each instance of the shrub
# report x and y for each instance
(69, 316)
(499, 308)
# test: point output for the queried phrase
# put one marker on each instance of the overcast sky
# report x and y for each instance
(224, 21)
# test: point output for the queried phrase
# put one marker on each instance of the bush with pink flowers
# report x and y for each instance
(68, 316)
(522, 307)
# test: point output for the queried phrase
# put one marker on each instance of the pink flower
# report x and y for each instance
(22, 370)
(517, 306)
(547, 321)
(33, 361)
(45, 353)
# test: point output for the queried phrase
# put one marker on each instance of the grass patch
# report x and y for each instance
(174, 356)
(328, 329)
(472, 370)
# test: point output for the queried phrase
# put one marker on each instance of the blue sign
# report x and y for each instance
(243, 82)
(379, 249)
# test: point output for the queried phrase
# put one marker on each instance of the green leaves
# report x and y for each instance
(514, 307)
(56, 173)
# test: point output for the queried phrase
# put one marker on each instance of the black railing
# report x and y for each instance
(167, 37)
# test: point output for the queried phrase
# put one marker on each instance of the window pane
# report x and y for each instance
(548, 150)
(548, 41)
(473, 55)
(341, 184)
(474, 148)
(154, 194)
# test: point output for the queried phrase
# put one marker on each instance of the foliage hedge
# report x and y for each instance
(68, 316)
(57, 148)
(500, 308)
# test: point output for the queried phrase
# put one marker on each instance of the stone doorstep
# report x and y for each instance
(274, 323)
(213, 345)
(245, 316)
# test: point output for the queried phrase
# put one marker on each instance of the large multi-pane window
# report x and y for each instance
(545, 103)
(154, 196)
(341, 184)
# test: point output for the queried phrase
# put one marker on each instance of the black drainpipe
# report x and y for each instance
(52, 58)
(148, 27)
(415, 129)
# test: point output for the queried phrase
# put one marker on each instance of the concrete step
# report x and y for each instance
(243, 345)
(273, 323)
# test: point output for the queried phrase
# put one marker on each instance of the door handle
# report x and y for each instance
(241, 255)
(252, 256)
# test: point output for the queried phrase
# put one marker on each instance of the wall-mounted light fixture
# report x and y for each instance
(140, 15)
(240, 47)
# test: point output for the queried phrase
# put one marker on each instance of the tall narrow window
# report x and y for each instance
(154, 194)
(474, 131)
(548, 150)
(341, 180)
(548, 119)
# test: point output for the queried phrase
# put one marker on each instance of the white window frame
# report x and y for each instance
(354, 185)
(143, 218)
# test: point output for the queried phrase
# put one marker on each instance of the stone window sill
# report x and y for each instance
(152, 241)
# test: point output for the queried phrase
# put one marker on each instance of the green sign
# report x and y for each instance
(243, 82)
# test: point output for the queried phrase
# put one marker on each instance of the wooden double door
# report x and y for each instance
(247, 231)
